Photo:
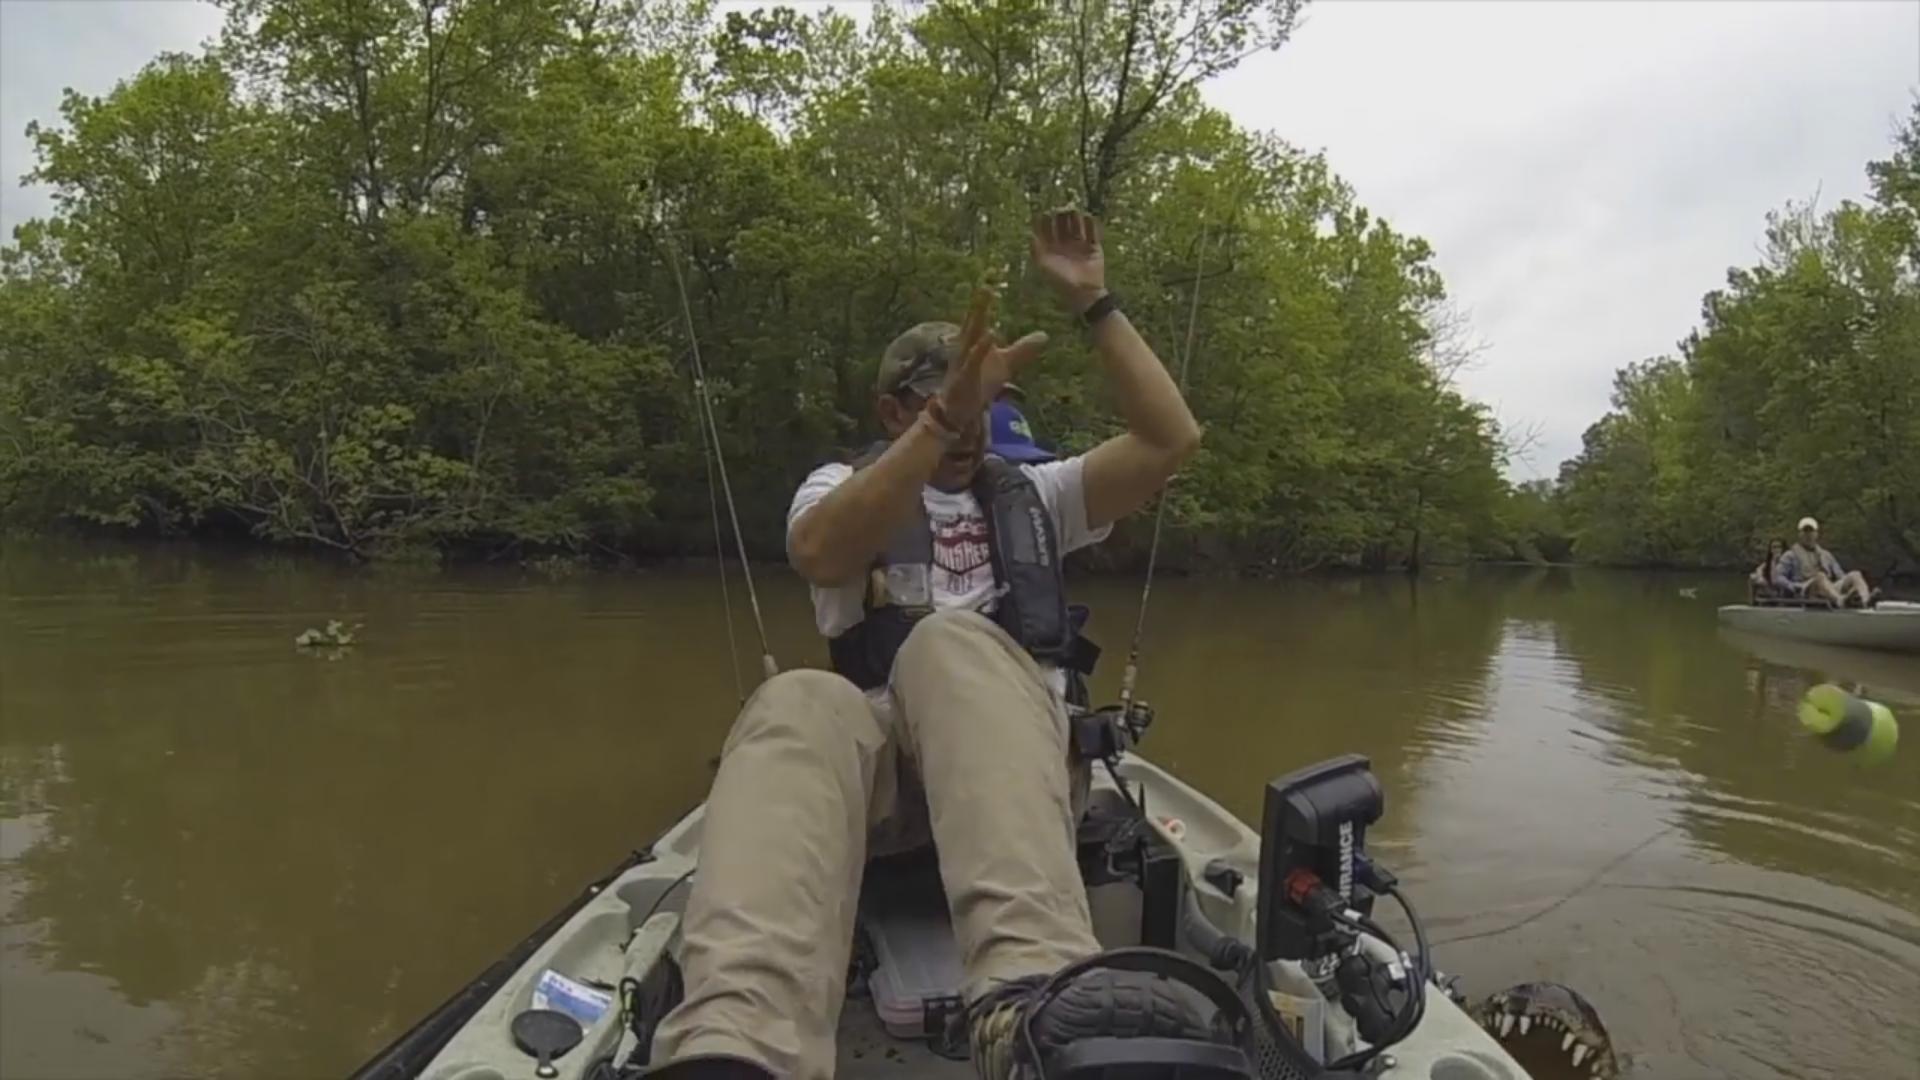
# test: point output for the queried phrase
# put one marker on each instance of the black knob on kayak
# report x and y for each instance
(546, 1035)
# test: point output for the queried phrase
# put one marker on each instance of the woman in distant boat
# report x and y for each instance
(1761, 579)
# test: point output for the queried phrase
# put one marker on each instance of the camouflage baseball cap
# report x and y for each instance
(917, 360)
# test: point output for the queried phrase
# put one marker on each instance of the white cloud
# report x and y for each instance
(47, 46)
(1585, 171)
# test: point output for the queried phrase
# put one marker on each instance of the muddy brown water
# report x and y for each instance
(221, 856)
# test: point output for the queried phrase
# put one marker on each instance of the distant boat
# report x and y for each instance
(1893, 626)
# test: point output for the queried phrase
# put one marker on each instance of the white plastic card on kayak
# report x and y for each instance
(578, 1000)
(1306, 1019)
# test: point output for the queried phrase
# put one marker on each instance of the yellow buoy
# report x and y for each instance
(1849, 723)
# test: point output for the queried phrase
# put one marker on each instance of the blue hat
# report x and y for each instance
(1009, 436)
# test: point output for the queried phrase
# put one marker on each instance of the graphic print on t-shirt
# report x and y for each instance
(962, 561)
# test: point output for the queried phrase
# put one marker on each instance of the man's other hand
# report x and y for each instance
(984, 366)
(1066, 250)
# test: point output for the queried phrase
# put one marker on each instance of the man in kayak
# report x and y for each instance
(1808, 570)
(935, 572)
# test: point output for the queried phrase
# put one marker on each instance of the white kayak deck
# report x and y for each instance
(1893, 626)
(629, 926)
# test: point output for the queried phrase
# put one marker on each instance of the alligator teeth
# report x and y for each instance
(1566, 1044)
(1527, 1022)
(1506, 1024)
(1579, 1054)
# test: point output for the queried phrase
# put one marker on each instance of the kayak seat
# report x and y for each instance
(906, 963)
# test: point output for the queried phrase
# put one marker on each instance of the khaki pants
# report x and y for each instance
(973, 748)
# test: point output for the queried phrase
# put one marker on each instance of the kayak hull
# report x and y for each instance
(1891, 627)
(631, 923)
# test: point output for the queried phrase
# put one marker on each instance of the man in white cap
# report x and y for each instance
(1809, 570)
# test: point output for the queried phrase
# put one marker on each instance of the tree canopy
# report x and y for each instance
(378, 274)
(1798, 394)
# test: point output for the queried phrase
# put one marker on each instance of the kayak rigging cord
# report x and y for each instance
(710, 436)
(1132, 673)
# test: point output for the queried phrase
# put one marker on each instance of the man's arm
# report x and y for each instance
(1785, 569)
(835, 540)
(1126, 471)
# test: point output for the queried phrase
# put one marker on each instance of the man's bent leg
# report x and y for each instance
(1821, 588)
(770, 920)
(990, 742)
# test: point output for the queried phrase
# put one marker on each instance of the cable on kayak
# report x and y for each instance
(1132, 672)
(711, 436)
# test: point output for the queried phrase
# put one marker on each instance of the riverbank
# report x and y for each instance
(560, 565)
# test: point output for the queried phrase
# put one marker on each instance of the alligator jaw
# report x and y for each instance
(1552, 1031)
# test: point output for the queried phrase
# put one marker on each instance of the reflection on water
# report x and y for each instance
(222, 857)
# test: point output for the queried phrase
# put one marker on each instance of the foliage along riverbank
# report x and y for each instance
(1799, 394)
(378, 275)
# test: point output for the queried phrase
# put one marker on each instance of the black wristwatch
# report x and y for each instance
(1100, 309)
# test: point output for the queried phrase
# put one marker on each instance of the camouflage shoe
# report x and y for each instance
(1093, 1021)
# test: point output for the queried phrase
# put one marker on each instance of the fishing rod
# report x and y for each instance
(710, 437)
(720, 557)
(1132, 672)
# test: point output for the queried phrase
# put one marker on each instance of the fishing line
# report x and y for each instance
(1132, 673)
(712, 428)
(1590, 882)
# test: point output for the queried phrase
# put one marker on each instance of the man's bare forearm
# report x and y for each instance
(836, 539)
(1125, 472)
(1145, 394)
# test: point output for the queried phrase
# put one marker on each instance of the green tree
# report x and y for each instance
(1799, 394)
(374, 274)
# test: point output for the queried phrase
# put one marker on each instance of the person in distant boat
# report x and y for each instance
(1808, 570)
(1010, 436)
(935, 571)
(1761, 580)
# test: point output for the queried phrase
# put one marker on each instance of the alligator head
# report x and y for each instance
(1551, 1031)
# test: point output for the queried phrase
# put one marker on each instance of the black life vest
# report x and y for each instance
(1028, 572)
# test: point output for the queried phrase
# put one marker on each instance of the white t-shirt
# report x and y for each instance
(962, 575)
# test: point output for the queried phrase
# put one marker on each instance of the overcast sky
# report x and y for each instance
(1585, 170)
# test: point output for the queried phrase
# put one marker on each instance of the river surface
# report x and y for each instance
(221, 856)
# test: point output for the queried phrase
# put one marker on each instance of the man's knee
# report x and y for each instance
(949, 637)
(812, 707)
(949, 626)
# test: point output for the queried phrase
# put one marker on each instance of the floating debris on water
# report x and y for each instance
(335, 635)
(1849, 723)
